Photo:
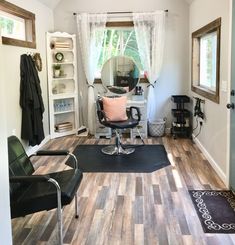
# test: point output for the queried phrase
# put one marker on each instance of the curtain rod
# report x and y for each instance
(166, 10)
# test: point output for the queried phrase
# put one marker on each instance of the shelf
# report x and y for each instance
(63, 49)
(182, 126)
(63, 63)
(181, 130)
(57, 134)
(180, 113)
(64, 96)
(62, 112)
(180, 99)
(63, 78)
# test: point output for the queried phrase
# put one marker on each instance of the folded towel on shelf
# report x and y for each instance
(60, 45)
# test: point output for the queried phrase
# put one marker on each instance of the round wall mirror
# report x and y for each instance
(120, 74)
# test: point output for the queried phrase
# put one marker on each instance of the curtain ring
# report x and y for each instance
(150, 84)
(89, 85)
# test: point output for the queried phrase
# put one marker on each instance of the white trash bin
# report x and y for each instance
(157, 128)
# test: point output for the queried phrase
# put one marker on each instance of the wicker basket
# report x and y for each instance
(157, 128)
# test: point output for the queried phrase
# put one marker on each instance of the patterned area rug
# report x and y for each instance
(215, 209)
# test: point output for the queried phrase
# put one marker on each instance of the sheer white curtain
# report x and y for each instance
(91, 29)
(150, 36)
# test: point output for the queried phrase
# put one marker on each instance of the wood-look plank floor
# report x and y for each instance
(128, 208)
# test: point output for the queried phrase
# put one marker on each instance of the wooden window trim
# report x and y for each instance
(120, 24)
(214, 26)
(24, 14)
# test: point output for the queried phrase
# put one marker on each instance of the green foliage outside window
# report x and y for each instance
(7, 25)
(119, 42)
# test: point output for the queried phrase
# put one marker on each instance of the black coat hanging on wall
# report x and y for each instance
(31, 102)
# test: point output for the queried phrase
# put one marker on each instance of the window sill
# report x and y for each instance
(206, 93)
(19, 43)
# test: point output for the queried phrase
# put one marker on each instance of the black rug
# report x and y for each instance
(215, 209)
(145, 159)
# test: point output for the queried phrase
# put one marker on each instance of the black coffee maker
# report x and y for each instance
(138, 90)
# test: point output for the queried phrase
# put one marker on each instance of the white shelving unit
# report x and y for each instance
(63, 88)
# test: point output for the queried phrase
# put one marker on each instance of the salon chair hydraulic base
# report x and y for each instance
(117, 149)
(114, 150)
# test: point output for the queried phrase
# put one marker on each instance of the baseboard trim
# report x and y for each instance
(210, 159)
(33, 149)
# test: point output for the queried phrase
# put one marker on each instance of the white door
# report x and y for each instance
(231, 107)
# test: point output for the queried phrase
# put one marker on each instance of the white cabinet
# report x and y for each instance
(62, 83)
(142, 127)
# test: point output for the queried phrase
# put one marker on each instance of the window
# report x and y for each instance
(119, 40)
(206, 60)
(208, 47)
(17, 26)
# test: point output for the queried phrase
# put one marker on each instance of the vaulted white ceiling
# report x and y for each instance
(52, 3)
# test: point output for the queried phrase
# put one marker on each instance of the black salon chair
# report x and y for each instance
(133, 114)
(33, 193)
